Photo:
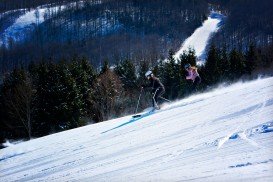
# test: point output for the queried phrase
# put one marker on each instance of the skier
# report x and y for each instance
(193, 75)
(157, 88)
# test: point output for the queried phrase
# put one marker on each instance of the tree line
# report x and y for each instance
(111, 30)
(134, 30)
(52, 96)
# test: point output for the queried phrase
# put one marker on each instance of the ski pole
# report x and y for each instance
(138, 100)
(165, 99)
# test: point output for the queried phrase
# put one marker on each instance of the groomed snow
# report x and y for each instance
(225, 134)
(199, 39)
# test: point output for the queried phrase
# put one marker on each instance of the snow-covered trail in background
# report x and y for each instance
(225, 134)
(25, 23)
(199, 39)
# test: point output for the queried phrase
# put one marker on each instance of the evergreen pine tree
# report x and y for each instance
(85, 77)
(71, 104)
(251, 59)
(237, 64)
(191, 57)
(188, 57)
(171, 76)
(143, 68)
(127, 73)
(59, 100)
(224, 65)
(212, 67)
(41, 113)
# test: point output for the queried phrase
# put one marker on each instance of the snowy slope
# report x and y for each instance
(199, 39)
(26, 22)
(225, 134)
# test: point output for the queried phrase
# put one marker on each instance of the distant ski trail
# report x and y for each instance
(199, 39)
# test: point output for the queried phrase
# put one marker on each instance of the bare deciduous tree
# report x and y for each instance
(19, 103)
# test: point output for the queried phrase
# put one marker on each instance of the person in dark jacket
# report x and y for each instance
(158, 88)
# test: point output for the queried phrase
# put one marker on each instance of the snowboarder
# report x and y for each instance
(193, 75)
(158, 88)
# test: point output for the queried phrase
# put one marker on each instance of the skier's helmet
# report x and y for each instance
(187, 66)
(148, 73)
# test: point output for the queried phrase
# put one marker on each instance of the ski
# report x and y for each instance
(137, 115)
(143, 114)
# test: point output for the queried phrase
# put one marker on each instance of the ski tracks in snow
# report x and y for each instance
(226, 134)
(242, 135)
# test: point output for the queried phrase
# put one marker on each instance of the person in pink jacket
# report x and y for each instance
(193, 75)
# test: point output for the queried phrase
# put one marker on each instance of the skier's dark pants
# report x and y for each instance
(159, 92)
(196, 82)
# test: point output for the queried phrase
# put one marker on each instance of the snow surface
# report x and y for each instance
(199, 39)
(224, 134)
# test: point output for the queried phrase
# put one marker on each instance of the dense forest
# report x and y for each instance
(248, 21)
(137, 30)
(108, 30)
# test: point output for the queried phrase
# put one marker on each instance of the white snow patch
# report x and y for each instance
(9, 143)
(18, 30)
(36, 16)
(199, 39)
